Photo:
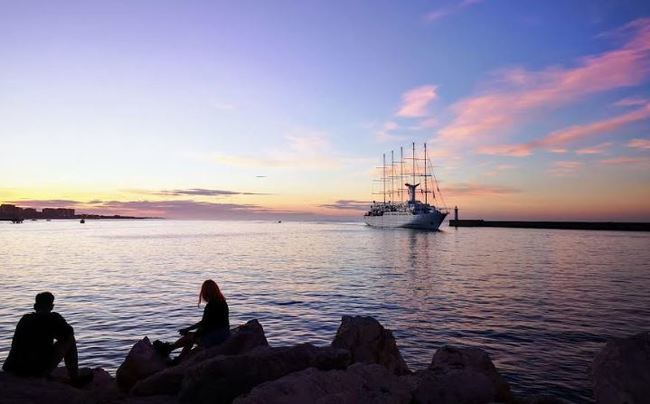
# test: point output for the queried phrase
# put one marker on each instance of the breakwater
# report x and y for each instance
(617, 226)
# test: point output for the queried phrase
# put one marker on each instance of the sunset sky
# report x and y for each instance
(259, 109)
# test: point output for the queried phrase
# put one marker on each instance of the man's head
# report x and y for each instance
(44, 302)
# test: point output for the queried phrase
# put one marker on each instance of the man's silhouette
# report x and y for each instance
(34, 351)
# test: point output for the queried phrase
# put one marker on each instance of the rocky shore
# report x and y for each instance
(362, 365)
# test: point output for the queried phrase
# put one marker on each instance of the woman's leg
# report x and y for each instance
(182, 342)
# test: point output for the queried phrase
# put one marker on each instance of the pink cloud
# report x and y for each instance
(643, 144)
(385, 133)
(440, 13)
(555, 140)
(598, 149)
(416, 101)
(627, 160)
(563, 168)
(478, 189)
(631, 102)
(518, 93)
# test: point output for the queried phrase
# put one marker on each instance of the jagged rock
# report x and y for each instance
(168, 381)
(141, 362)
(621, 371)
(56, 389)
(360, 383)
(369, 342)
(223, 378)
(36, 390)
(149, 400)
(540, 399)
(460, 375)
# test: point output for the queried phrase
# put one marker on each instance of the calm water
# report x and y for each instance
(542, 302)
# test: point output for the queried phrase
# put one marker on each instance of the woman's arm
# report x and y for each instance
(185, 330)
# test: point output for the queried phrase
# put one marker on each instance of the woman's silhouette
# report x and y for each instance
(214, 327)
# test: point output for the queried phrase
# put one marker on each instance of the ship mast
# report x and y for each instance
(401, 174)
(383, 179)
(413, 163)
(426, 178)
(392, 176)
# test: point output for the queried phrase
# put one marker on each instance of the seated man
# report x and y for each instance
(33, 350)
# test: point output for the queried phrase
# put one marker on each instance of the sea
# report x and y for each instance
(540, 302)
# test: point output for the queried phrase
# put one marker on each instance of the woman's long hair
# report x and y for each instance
(210, 291)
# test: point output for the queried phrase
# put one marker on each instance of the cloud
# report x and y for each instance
(643, 144)
(598, 149)
(627, 160)
(416, 101)
(564, 168)
(384, 134)
(45, 203)
(182, 209)
(516, 94)
(631, 102)
(478, 189)
(347, 204)
(556, 139)
(176, 209)
(303, 149)
(199, 192)
(440, 13)
(514, 150)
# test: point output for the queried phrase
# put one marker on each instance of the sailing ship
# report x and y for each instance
(394, 211)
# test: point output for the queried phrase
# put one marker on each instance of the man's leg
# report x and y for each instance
(66, 349)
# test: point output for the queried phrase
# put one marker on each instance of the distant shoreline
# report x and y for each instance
(16, 214)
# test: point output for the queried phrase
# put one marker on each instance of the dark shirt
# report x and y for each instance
(32, 347)
(215, 317)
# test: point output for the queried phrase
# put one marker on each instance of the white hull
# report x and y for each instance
(423, 221)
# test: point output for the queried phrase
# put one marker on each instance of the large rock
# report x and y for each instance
(621, 371)
(360, 383)
(369, 342)
(56, 389)
(460, 375)
(221, 379)
(16, 390)
(168, 381)
(141, 362)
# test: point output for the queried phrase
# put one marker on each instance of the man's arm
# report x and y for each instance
(62, 329)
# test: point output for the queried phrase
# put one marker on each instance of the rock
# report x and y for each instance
(142, 361)
(621, 371)
(369, 342)
(223, 378)
(168, 381)
(34, 390)
(149, 400)
(242, 339)
(360, 383)
(460, 375)
(57, 389)
(540, 399)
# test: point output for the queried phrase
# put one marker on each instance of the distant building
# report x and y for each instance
(58, 213)
(7, 210)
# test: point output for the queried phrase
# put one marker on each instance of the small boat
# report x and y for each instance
(82, 221)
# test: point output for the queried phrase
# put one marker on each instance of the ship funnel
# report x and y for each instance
(412, 192)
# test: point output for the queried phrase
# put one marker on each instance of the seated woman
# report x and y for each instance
(214, 327)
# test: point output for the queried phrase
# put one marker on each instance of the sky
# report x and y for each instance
(283, 109)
